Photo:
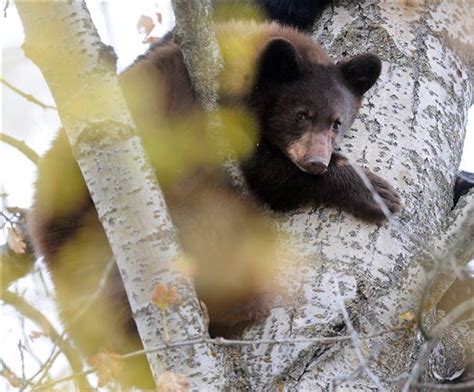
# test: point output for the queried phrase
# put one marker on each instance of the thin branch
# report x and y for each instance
(29, 311)
(355, 338)
(47, 365)
(230, 342)
(200, 48)
(43, 367)
(21, 146)
(28, 97)
(22, 359)
(72, 377)
(7, 3)
(10, 376)
(248, 342)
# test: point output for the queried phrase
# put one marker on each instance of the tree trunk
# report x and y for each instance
(79, 69)
(411, 132)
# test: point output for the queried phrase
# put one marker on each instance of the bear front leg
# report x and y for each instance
(342, 186)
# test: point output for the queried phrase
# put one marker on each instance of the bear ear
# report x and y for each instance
(279, 62)
(361, 72)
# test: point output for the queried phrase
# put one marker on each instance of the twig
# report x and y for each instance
(355, 338)
(22, 360)
(45, 368)
(43, 365)
(22, 306)
(7, 3)
(72, 377)
(9, 375)
(230, 342)
(27, 96)
(21, 146)
(249, 342)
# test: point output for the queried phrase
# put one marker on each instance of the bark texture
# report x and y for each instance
(79, 69)
(410, 131)
(198, 41)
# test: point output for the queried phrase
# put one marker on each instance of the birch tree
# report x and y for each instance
(351, 283)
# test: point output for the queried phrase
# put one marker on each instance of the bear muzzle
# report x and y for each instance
(316, 165)
(312, 152)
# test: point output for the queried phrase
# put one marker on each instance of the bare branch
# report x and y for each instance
(21, 146)
(27, 96)
(29, 311)
(72, 377)
(198, 43)
(232, 342)
(7, 3)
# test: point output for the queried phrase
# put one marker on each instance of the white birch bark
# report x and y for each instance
(410, 131)
(79, 69)
(197, 39)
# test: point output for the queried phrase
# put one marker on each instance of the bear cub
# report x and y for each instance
(304, 108)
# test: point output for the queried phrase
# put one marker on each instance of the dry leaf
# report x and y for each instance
(36, 334)
(14, 381)
(164, 296)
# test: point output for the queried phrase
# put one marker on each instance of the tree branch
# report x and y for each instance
(27, 96)
(21, 146)
(29, 311)
(198, 43)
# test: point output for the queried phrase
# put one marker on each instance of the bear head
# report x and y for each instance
(304, 108)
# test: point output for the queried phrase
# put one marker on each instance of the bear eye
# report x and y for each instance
(302, 116)
(336, 125)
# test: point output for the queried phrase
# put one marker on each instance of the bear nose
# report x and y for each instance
(315, 166)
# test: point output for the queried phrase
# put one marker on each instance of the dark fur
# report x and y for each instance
(464, 182)
(297, 13)
(300, 14)
(292, 74)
